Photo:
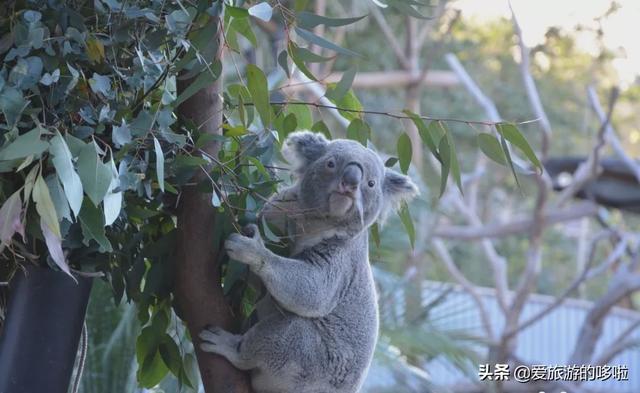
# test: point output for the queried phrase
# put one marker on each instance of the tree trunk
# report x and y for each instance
(198, 288)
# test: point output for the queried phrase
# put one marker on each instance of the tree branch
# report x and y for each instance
(391, 39)
(516, 226)
(469, 287)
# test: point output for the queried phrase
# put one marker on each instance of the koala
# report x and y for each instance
(318, 325)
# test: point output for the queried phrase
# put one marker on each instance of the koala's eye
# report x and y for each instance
(331, 164)
(372, 183)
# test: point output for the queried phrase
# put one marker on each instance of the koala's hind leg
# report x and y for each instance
(218, 340)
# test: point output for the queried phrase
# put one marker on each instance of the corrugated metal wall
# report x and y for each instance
(549, 341)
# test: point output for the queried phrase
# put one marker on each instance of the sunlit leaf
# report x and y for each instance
(44, 205)
(490, 146)
(405, 151)
(338, 91)
(511, 133)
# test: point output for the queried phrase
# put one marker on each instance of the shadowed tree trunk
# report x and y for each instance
(197, 269)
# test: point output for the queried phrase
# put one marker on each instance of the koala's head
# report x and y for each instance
(343, 181)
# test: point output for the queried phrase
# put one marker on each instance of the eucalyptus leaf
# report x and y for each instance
(63, 162)
(317, 40)
(54, 245)
(259, 90)
(159, 163)
(490, 146)
(511, 133)
(262, 11)
(95, 175)
(24, 145)
(339, 91)
(309, 20)
(10, 218)
(92, 224)
(405, 151)
(12, 103)
(44, 205)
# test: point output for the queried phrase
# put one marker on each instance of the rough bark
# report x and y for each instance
(198, 288)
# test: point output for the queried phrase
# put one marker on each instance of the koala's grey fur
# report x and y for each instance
(318, 326)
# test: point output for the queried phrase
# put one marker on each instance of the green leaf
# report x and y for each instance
(159, 163)
(337, 93)
(113, 200)
(430, 134)
(304, 118)
(92, 224)
(349, 106)
(242, 27)
(62, 161)
(44, 205)
(455, 166)
(405, 217)
(259, 90)
(507, 154)
(490, 147)
(206, 78)
(10, 221)
(511, 133)
(309, 20)
(170, 355)
(319, 126)
(405, 151)
(236, 12)
(95, 50)
(58, 197)
(24, 146)
(152, 368)
(282, 61)
(121, 135)
(268, 233)
(391, 161)
(310, 57)
(294, 53)
(317, 40)
(359, 131)
(445, 164)
(95, 175)
(12, 103)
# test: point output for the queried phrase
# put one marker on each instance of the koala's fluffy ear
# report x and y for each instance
(302, 148)
(397, 188)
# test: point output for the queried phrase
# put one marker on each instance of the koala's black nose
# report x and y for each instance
(351, 177)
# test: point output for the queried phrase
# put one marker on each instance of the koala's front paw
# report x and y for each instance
(217, 340)
(247, 247)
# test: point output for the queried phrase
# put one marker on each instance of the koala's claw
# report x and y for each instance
(250, 230)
